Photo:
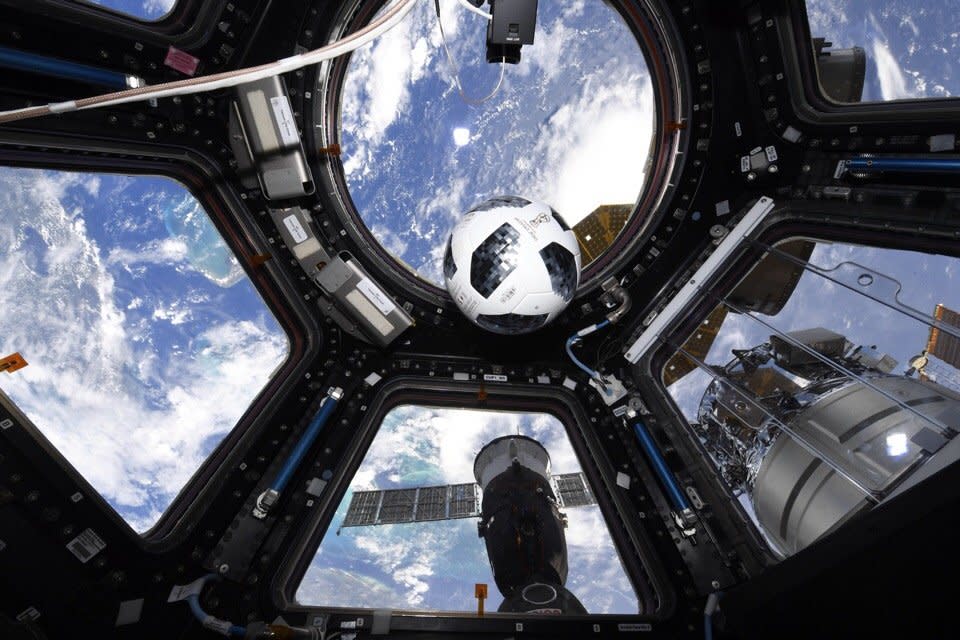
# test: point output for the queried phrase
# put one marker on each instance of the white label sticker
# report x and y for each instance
(373, 293)
(636, 626)
(184, 591)
(841, 168)
(86, 545)
(771, 152)
(738, 129)
(285, 121)
(217, 625)
(295, 228)
(30, 613)
(744, 164)
(6, 424)
(623, 480)
(494, 377)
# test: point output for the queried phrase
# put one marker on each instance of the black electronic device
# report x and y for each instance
(512, 25)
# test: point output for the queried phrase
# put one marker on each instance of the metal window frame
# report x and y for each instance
(764, 225)
(806, 94)
(634, 549)
(201, 177)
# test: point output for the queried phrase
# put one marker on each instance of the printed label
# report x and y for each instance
(295, 228)
(181, 61)
(373, 293)
(217, 625)
(30, 613)
(494, 377)
(636, 626)
(771, 152)
(285, 121)
(737, 129)
(86, 545)
(184, 591)
(744, 164)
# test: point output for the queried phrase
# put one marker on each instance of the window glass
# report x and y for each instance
(434, 565)
(145, 339)
(906, 50)
(829, 381)
(570, 125)
(150, 10)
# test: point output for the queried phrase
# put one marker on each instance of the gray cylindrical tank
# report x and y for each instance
(798, 498)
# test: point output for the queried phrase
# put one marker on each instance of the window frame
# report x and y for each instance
(202, 179)
(636, 553)
(806, 94)
(792, 220)
(188, 24)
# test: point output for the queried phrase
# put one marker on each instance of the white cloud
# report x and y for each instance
(157, 8)
(593, 150)
(893, 83)
(164, 251)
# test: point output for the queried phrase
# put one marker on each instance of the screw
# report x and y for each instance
(223, 569)
(715, 584)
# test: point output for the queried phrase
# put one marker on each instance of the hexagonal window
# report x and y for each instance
(145, 339)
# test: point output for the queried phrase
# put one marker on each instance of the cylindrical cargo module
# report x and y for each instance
(798, 498)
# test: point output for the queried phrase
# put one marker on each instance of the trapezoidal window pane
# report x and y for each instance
(880, 50)
(145, 339)
(825, 382)
(146, 10)
(405, 533)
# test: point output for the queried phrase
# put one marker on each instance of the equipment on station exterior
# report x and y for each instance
(511, 265)
(520, 519)
(815, 432)
(523, 527)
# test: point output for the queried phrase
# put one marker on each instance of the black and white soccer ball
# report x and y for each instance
(511, 265)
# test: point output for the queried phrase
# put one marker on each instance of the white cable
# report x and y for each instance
(456, 69)
(477, 10)
(228, 78)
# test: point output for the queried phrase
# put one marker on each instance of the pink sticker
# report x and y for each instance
(181, 61)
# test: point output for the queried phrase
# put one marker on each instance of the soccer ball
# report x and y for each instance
(511, 265)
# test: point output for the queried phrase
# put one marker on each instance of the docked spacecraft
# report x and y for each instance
(812, 431)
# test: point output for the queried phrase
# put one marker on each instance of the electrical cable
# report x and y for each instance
(456, 68)
(387, 21)
(713, 602)
(575, 338)
(223, 627)
(474, 9)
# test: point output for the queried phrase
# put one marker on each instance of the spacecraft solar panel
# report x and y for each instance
(431, 504)
(942, 344)
(363, 508)
(397, 506)
(422, 504)
(447, 502)
(572, 490)
(463, 500)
